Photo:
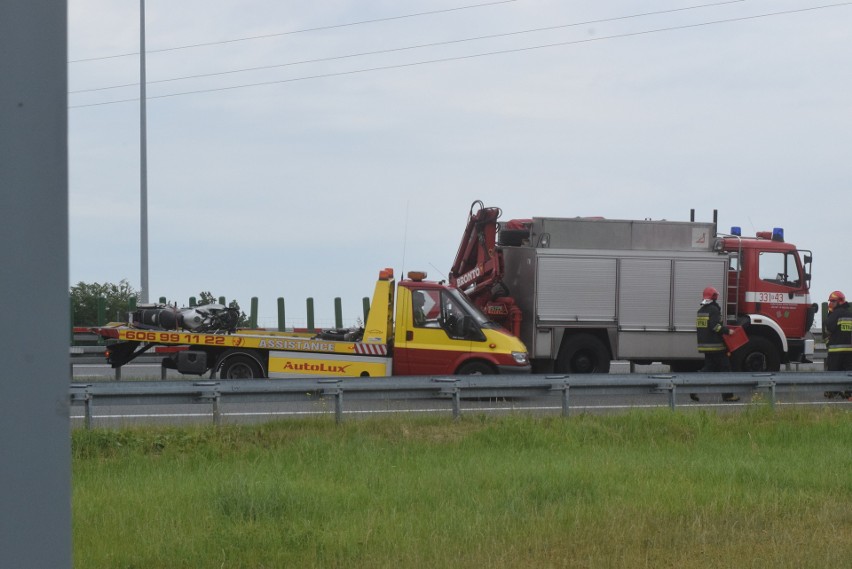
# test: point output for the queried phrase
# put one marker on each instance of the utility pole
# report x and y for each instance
(143, 158)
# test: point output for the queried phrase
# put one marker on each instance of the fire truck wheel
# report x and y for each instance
(759, 354)
(583, 353)
(240, 367)
(475, 368)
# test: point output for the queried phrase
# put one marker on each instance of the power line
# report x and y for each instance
(420, 46)
(316, 29)
(477, 55)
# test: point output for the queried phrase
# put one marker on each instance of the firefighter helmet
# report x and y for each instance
(710, 294)
(837, 296)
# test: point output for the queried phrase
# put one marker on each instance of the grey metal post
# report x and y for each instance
(88, 407)
(563, 387)
(338, 406)
(337, 392)
(86, 398)
(35, 479)
(217, 412)
(210, 392)
(456, 403)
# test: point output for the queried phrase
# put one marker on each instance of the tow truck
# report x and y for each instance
(436, 331)
(583, 291)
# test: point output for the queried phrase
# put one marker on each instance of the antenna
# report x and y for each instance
(439, 271)
(404, 238)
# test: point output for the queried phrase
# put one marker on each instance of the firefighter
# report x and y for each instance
(838, 337)
(710, 343)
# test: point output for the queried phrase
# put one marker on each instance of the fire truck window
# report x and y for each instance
(779, 268)
(735, 264)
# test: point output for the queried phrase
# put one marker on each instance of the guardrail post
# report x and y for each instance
(163, 370)
(770, 385)
(337, 392)
(338, 405)
(670, 387)
(118, 373)
(87, 405)
(87, 399)
(213, 396)
(456, 403)
(563, 388)
(453, 392)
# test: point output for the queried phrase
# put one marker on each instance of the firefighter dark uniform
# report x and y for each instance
(838, 329)
(838, 338)
(710, 330)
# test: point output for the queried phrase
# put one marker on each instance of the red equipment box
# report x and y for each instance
(737, 339)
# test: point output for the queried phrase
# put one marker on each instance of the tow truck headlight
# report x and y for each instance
(521, 358)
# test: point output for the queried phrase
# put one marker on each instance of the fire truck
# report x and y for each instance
(581, 292)
(437, 331)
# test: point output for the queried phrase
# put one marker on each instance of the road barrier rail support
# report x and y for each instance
(455, 388)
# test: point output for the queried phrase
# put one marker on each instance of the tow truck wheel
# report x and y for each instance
(759, 354)
(240, 367)
(476, 368)
(583, 353)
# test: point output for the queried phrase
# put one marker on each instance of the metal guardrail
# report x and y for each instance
(213, 393)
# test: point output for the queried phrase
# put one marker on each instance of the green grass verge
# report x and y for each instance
(659, 489)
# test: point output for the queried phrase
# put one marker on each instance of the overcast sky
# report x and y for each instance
(306, 177)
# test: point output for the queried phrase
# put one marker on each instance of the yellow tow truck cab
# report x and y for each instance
(434, 330)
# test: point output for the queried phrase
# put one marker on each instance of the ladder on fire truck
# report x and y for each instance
(734, 272)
